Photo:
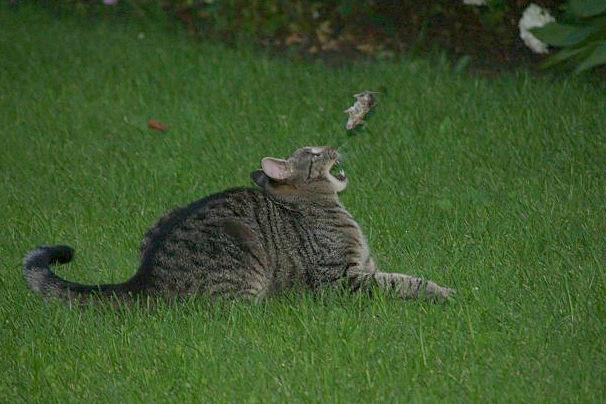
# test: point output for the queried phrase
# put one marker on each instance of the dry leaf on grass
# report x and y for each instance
(364, 103)
(157, 125)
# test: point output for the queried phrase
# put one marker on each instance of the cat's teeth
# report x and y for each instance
(342, 172)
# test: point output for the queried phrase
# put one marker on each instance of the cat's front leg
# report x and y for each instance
(403, 286)
(411, 287)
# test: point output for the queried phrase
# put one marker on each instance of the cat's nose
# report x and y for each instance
(318, 149)
(331, 151)
(326, 150)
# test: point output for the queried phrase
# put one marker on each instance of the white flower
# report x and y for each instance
(534, 17)
(475, 2)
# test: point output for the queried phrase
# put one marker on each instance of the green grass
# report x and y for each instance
(496, 187)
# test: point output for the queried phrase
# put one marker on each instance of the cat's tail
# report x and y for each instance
(40, 278)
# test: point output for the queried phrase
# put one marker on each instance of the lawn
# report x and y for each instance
(494, 186)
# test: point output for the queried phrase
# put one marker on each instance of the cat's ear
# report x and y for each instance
(259, 178)
(275, 169)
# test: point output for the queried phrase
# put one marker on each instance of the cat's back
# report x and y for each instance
(191, 222)
(215, 237)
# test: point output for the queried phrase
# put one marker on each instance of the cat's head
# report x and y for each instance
(309, 173)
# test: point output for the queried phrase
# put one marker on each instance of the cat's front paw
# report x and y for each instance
(447, 293)
(439, 293)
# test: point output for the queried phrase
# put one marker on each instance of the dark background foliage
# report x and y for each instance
(338, 30)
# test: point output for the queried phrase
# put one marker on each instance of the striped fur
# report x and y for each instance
(289, 232)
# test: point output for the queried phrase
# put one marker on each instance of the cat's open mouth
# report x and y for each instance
(337, 171)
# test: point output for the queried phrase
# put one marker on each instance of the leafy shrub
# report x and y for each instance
(486, 34)
(581, 34)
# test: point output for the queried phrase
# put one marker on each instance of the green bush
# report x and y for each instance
(372, 27)
(581, 34)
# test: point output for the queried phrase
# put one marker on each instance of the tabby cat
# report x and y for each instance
(290, 232)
